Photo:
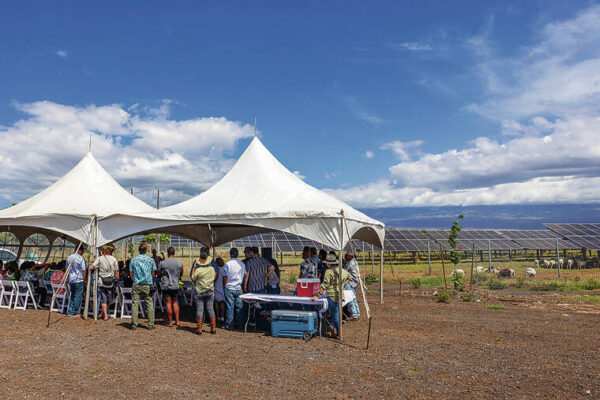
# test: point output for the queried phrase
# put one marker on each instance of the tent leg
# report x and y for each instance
(20, 250)
(341, 284)
(48, 253)
(381, 277)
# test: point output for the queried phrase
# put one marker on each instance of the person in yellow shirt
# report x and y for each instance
(331, 287)
(204, 277)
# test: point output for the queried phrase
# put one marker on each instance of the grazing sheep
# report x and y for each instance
(530, 272)
(546, 263)
(506, 273)
(570, 263)
(458, 272)
(480, 269)
(580, 263)
(552, 263)
(495, 271)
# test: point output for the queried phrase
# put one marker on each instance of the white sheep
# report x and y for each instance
(552, 263)
(480, 269)
(546, 263)
(530, 272)
(570, 263)
(507, 273)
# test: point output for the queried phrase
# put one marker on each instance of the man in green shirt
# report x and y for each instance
(142, 269)
(331, 287)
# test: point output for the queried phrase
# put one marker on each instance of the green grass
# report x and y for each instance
(590, 299)
(444, 296)
(495, 307)
(496, 284)
(415, 369)
(432, 280)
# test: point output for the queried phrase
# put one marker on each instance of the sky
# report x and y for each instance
(381, 104)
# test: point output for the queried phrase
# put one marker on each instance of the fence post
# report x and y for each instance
(429, 257)
(490, 256)
(558, 259)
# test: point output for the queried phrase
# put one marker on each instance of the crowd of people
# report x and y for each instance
(217, 284)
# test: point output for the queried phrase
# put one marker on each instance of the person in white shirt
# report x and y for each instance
(235, 271)
(108, 272)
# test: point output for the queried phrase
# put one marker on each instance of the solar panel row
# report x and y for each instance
(584, 235)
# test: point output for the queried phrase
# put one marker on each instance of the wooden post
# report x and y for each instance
(381, 276)
(472, 265)
(429, 257)
(489, 256)
(372, 261)
(364, 265)
(558, 259)
(443, 267)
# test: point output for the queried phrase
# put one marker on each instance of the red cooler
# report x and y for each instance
(308, 287)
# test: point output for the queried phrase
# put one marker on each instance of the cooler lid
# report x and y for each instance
(293, 313)
(309, 280)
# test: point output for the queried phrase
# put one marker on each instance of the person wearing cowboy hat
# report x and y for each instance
(351, 265)
(331, 287)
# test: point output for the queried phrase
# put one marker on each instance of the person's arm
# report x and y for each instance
(224, 280)
(246, 282)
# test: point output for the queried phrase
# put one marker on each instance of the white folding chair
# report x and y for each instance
(158, 300)
(7, 294)
(60, 298)
(47, 285)
(24, 293)
(127, 303)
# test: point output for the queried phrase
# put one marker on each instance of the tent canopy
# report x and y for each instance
(69, 206)
(257, 195)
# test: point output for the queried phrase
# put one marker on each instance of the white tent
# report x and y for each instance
(257, 195)
(70, 206)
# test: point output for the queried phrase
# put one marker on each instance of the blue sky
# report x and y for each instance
(385, 104)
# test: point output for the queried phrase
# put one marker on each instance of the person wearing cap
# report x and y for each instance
(142, 270)
(77, 278)
(235, 272)
(351, 265)
(331, 287)
(108, 271)
(308, 267)
(203, 276)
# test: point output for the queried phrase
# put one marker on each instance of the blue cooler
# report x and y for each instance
(294, 324)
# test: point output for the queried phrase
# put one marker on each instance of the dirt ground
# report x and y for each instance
(539, 346)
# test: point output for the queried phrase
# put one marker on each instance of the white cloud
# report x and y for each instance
(411, 46)
(402, 149)
(61, 53)
(369, 154)
(546, 99)
(145, 150)
(353, 104)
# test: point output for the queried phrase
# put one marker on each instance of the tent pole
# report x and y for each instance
(96, 272)
(48, 253)
(381, 276)
(341, 284)
(21, 243)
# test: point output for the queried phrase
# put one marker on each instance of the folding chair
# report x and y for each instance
(60, 298)
(7, 294)
(157, 297)
(24, 293)
(127, 303)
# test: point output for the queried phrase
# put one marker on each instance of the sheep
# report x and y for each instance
(552, 263)
(570, 263)
(458, 272)
(580, 263)
(537, 263)
(546, 263)
(506, 273)
(495, 271)
(480, 269)
(530, 272)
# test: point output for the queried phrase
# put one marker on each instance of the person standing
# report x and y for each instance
(308, 268)
(171, 271)
(257, 269)
(142, 271)
(331, 286)
(235, 271)
(321, 266)
(77, 278)
(108, 271)
(220, 281)
(203, 277)
(351, 265)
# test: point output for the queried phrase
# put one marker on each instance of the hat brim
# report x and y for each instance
(332, 262)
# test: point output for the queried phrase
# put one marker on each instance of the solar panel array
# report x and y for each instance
(407, 240)
(584, 235)
(482, 238)
(537, 239)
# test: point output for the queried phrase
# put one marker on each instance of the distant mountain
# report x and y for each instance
(500, 217)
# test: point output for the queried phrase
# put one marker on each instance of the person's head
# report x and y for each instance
(220, 262)
(267, 253)
(53, 265)
(121, 264)
(322, 254)
(12, 266)
(143, 248)
(332, 252)
(305, 252)
(313, 251)
(154, 252)
(234, 252)
(81, 250)
(171, 251)
(247, 252)
(108, 249)
(349, 255)
(254, 251)
(331, 261)
(204, 253)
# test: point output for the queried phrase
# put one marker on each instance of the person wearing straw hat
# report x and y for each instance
(331, 287)
(351, 265)
(108, 271)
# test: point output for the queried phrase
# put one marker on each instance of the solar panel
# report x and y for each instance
(583, 235)
(537, 239)
(483, 239)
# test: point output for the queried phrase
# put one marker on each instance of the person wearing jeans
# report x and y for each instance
(235, 271)
(142, 271)
(331, 286)
(351, 265)
(77, 277)
(204, 276)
